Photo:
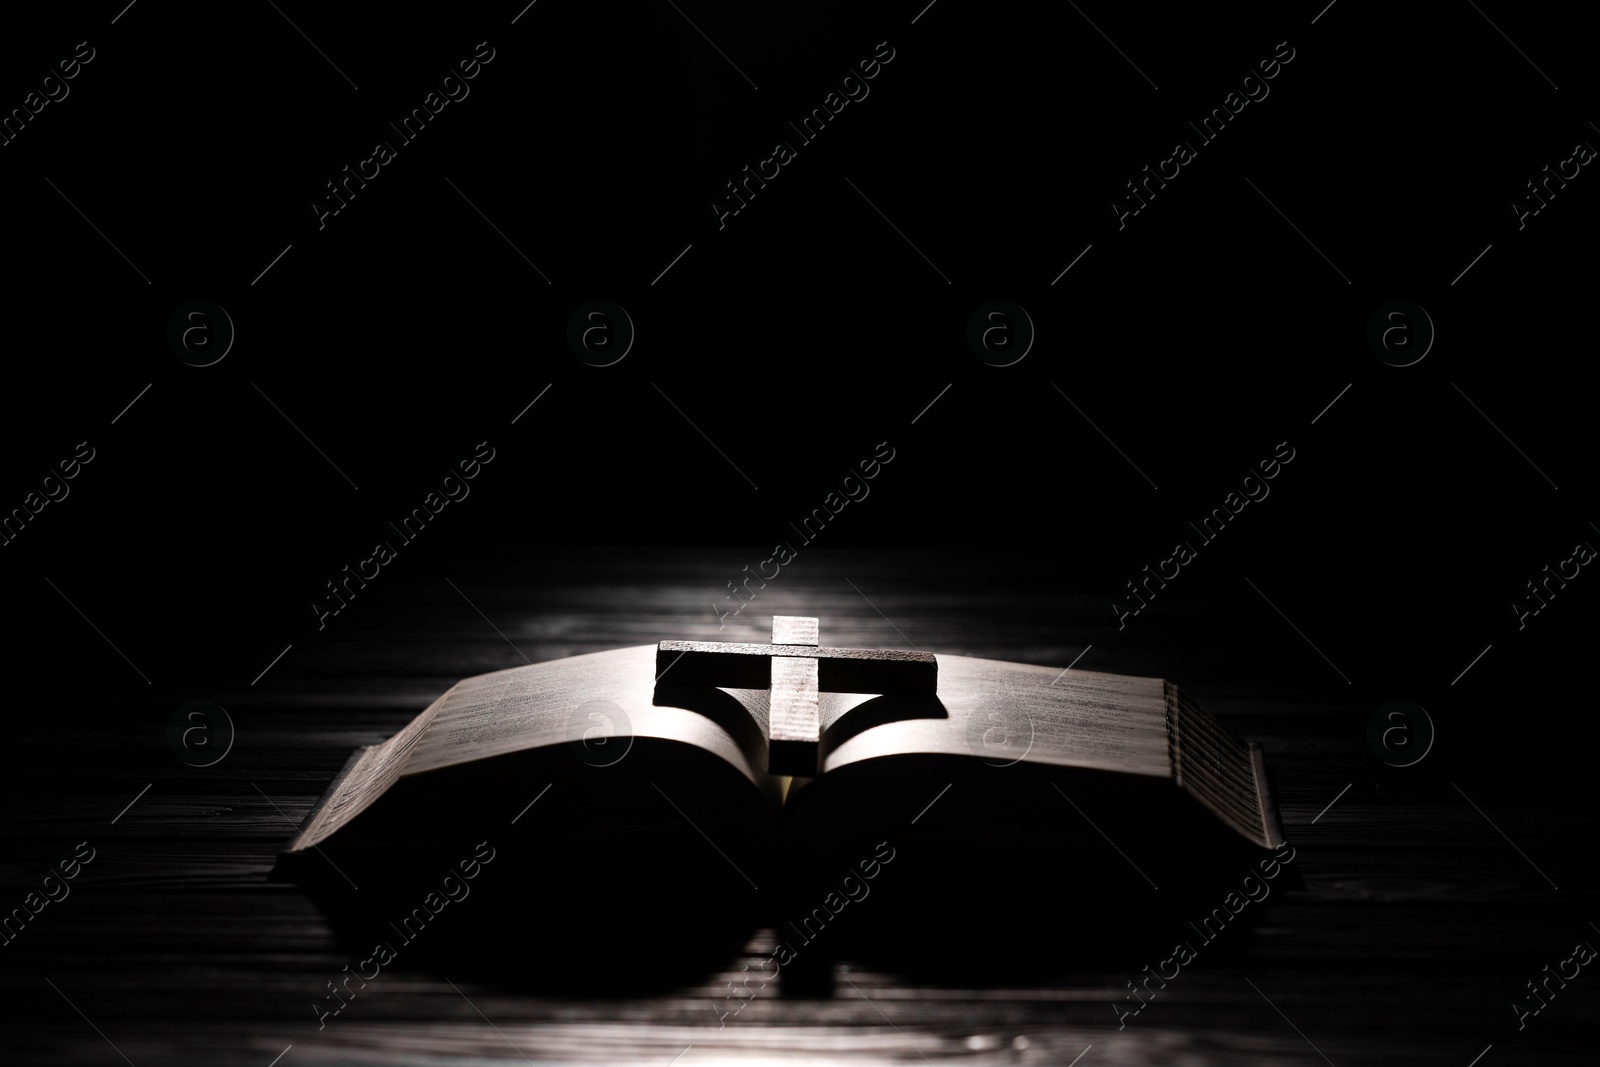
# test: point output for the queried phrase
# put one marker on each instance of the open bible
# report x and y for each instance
(649, 713)
(648, 815)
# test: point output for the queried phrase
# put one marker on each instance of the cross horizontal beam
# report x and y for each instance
(889, 672)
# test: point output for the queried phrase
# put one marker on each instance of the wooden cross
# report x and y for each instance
(796, 670)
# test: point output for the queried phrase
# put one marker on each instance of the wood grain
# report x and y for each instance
(1401, 932)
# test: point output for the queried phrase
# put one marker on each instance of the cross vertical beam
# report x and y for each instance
(794, 732)
(795, 669)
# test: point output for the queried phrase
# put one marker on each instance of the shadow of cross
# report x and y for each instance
(796, 669)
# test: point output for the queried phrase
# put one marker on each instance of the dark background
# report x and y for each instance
(796, 339)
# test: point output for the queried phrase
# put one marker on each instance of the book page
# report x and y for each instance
(558, 702)
(1008, 712)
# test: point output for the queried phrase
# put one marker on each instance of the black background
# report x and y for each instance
(798, 337)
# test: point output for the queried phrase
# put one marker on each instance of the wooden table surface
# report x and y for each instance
(1406, 929)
